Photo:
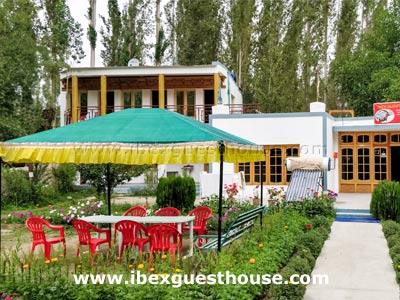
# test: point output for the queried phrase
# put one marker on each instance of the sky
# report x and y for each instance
(78, 11)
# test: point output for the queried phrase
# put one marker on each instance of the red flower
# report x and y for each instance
(315, 194)
(308, 225)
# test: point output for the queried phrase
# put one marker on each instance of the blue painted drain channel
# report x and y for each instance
(354, 215)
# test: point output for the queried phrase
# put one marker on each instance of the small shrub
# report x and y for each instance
(385, 201)
(306, 254)
(64, 176)
(300, 264)
(390, 227)
(312, 240)
(322, 222)
(16, 188)
(307, 207)
(176, 191)
(393, 240)
(287, 291)
(395, 250)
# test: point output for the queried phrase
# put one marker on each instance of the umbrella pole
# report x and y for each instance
(262, 189)
(108, 192)
(108, 189)
(1, 190)
(221, 179)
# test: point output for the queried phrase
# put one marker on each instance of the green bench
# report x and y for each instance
(236, 229)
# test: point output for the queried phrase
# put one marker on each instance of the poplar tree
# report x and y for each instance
(372, 73)
(198, 31)
(241, 43)
(19, 69)
(267, 85)
(125, 32)
(61, 37)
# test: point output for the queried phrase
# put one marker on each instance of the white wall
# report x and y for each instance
(269, 129)
(304, 129)
(146, 98)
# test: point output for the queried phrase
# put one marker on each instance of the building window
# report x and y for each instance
(273, 168)
(275, 165)
(395, 138)
(185, 102)
(246, 168)
(127, 100)
(380, 138)
(138, 99)
(347, 163)
(347, 139)
(363, 139)
(291, 152)
(83, 106)
(363, 163)
(259, 169)
(380, 163)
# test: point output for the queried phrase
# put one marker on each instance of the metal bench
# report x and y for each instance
(236, 229)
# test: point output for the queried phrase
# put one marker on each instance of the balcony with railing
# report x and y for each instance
(197, 112)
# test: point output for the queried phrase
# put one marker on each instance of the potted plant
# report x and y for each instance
(275, 194)
(256, 196)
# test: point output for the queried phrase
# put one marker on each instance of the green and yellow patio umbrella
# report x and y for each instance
(133, 137)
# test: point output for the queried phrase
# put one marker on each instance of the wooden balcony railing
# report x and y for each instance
(197, 112)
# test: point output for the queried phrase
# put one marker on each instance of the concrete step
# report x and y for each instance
(355, 215)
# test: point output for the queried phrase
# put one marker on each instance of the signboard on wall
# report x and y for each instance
(387, 113)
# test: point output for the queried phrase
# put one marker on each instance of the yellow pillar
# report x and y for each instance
(216, 88)
(75, 96)
(103, 95)
(161, 91)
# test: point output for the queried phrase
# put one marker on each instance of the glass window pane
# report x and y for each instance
(363, 164)
(347, 164)
(245, 167)
(380, 163)
(363, 138)
(127, 100)
(347, 138)
(395, 138)
(380, 138)
(190, 103)
(138, 99)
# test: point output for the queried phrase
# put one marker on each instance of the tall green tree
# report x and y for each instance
(19, 69)
(61, 38)
(91, 31)
(241, 43)
(198, 31)
(267, 86)
(125, 32)
(372, 73)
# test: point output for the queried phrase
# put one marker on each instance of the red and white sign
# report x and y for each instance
(387, 113)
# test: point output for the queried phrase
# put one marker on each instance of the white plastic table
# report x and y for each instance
(148, 220)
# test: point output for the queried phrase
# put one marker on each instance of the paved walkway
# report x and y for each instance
(356, 259)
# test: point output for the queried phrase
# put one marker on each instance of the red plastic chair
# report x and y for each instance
(84, 230)
(136, 211)
(35, 226)
(164, 238)
(201, 215)
(133, 234)
(168, 212)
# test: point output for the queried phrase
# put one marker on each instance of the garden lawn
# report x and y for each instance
(288, 243)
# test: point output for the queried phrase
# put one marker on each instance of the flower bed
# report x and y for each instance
(59, 214)
(289, 242)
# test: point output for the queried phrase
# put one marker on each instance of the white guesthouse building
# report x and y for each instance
(366, 153)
